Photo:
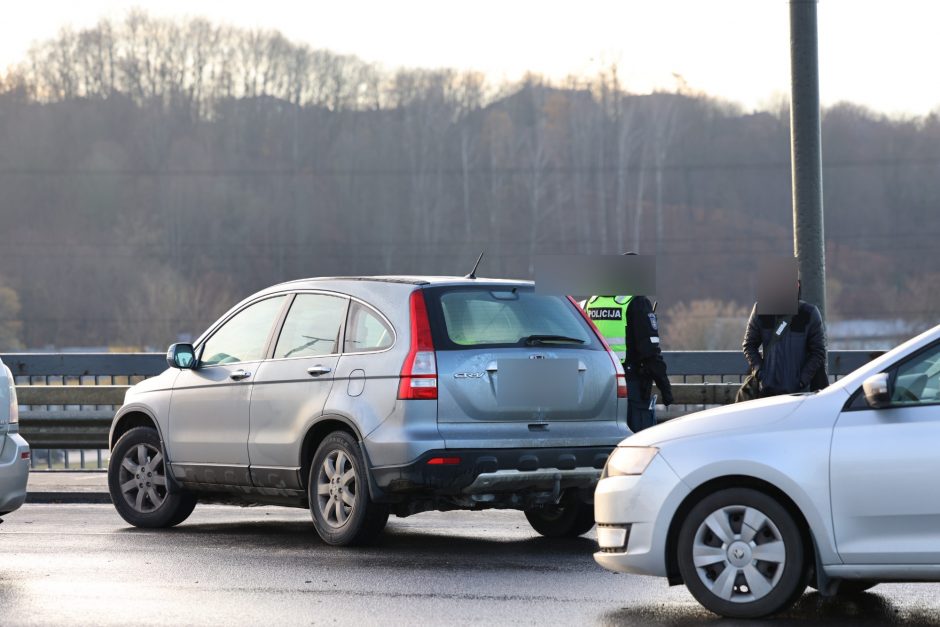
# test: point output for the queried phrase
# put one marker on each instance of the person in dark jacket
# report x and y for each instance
(796, 359)
(629, 325)
(644, 365)
(631, 330)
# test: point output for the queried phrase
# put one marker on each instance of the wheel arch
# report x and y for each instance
(317, 432)
(133, 416)
(733, 481)
(129, 418)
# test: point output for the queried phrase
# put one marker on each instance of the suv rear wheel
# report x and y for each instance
(569, 519)
(338, 489)
(138, 484)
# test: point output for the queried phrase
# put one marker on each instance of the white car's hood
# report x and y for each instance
(727, 418)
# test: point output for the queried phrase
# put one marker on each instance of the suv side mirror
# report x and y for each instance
(877, 390)
(181, 356)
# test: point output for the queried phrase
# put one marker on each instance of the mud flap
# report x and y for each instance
(825, 585)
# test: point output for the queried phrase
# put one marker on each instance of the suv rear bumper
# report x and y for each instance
(495, 471)
(522, 481)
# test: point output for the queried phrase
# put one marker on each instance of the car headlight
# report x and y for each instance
(629, 460)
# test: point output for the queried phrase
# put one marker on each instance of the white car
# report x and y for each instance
(14, 451)
(748, 504)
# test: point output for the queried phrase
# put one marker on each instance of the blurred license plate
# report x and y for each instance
(537, 383)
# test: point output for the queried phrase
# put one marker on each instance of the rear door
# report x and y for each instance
(520, 369)
(291, 388)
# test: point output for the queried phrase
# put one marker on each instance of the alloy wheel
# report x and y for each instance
(336, 488)
(143, 478)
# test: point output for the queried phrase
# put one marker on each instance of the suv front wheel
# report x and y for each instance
(137, 482)
(338, 489)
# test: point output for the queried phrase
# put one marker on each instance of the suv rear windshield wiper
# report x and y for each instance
(529, 340)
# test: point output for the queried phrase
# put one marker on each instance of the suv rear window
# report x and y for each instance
(365, 331)
(476, 317)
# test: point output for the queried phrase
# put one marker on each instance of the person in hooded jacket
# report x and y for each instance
(792, 355)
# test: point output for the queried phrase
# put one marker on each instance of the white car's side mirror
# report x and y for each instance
(877, 391)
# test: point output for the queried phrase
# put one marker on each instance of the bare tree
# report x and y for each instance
(662, 123)
(10, 323)
(140, 157)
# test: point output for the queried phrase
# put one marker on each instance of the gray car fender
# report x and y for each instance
(375, 492)
(819, 522)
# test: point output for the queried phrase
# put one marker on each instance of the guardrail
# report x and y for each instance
(69, 399)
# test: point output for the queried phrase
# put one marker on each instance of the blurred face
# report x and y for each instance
(585, 275)
(777, 288)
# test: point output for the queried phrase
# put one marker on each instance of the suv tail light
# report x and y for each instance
(419, 372)
(618, 367)
(621, 376)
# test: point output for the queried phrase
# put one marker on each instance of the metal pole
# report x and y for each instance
(806, 153)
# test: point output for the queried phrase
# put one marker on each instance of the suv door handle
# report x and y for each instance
(239, 374)
(316, 371)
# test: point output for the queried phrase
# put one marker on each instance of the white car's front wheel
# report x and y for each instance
(741, 554)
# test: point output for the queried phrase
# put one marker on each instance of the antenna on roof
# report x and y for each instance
(473, 273)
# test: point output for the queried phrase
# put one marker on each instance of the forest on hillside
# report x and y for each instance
(153, 172)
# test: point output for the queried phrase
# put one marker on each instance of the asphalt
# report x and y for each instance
(82, 565)
(67, 486)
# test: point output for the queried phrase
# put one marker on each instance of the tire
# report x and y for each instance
(715, 533)
(343, 512)
(567, 520)
(138, 459)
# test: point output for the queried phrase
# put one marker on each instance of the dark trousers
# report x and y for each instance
(639, 414)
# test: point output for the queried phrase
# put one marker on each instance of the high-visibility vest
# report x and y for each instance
(609, 314)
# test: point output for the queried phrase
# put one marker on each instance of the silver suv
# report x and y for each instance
(364, 396)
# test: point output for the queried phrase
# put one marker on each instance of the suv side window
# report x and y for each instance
(312, 326)
(917, 381)
(365, 331)
(244, 336)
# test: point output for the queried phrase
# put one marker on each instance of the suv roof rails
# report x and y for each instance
(379, 279)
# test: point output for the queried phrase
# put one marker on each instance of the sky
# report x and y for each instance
(881, 55)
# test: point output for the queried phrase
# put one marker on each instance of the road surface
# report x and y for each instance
(81, 565)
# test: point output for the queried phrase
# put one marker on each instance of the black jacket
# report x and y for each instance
(794, 362)
(644, 356)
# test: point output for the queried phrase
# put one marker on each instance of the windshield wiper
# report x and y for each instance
(545, 339)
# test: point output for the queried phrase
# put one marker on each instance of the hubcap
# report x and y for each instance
(143, 479)
(336, 488)
(739, 554)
